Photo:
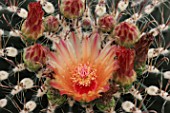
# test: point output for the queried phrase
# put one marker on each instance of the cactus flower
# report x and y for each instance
(125, 74)
(106, 23)
(72, 8)
(82, 69)
(33, 28)
(126, 34)
(51, 24)
(35, 57)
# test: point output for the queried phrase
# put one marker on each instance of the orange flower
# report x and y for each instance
(82, 69)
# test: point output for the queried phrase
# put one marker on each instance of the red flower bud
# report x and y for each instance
(126, 34)
(32, 27)
(35, 57)
(107, 23)
(86, 24)
(125, 74)
(51, 24)
(72, 8)
(141, 50)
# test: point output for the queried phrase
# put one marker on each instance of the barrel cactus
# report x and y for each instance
(92, 56)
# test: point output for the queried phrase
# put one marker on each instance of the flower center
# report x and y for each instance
(83, 75)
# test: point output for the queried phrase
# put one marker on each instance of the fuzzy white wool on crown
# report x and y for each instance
(152, 90)
(135, 17)
(123, 4)
(3, 103)
(41, 91)
(23, 13)
(1, 32)
(30, 105)
(127, 106)
(163, 94)
(166, 75)
(42, 1)
(3, 75)
(19, 67)
(136, 2)
(148, 9)
(23, 111)
(154, 52)
(15, 33)
(2, 52)
(158, 29)
(12, 8)
(16, 90)
(117, 95)
(0, 7)
(137, 111)
(135, 93)
(167, 98)
(48, 7)
(11, 51)
(156, 2)
(152, 69)
(100, 10)
(27, 83)
(165, 52)
(39, 74)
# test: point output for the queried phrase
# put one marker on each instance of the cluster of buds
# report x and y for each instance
(82, 68)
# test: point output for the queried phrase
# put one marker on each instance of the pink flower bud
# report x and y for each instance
(51, 24)
(72, 8)
(126, 34)
(35, 57)
(106, 23)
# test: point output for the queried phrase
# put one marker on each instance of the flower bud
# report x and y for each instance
(141, 51)
(125, 74)
(72, 8)
(86, 24)
(105, 106)
(55, 98)
(33, 28)
(106, 23)
(35, 57)
(126, 34)
(51, 24)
